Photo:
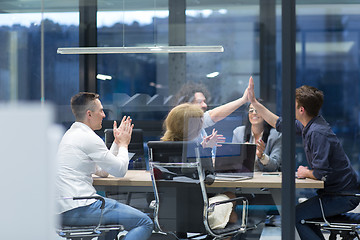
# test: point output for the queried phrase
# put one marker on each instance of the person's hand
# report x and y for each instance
(210, 140)
(122, 134)
(251, 91)
(213, 140)
(260, 148)
(303, 172)
(220, 139)
(245, 96)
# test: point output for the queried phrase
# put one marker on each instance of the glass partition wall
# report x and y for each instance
(144, 85)
(153, 80)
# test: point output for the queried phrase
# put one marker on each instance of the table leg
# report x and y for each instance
(276, 194)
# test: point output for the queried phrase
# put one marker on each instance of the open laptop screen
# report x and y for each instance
(235, 159)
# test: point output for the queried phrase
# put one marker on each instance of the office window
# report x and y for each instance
(31, 69)
(151, 81)
(144, 85)
(328, 58)
(20, 34)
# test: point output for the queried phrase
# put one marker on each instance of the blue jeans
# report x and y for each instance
(309, 209)
(137, 223)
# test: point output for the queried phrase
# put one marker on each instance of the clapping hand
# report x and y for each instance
(122, 134)
(213, 140)
(260, 148)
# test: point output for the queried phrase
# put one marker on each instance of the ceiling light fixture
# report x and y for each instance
(103, 77)
(154, 49)
(150, 49)
(212, 75)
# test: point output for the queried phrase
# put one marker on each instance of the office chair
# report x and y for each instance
(88, 232)
(136, 146)
(179, 172)
(345, 225)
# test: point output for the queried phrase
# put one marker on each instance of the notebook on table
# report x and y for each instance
(235, 161)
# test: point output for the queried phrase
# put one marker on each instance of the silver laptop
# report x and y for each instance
(235, 161)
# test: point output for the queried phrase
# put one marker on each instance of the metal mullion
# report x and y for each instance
(288, 113)
(88, 38)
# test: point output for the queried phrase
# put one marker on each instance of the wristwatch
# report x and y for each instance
(262, 156)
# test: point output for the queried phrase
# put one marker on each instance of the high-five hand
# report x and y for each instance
(251, 91)
(245, 97)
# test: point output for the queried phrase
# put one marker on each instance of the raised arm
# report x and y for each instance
(268, 116)
(221, 112)
(115, 161)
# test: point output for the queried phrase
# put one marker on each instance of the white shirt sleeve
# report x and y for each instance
(100, 172)
(208, 122)
(115, 161)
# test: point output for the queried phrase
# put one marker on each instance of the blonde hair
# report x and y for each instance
(183, 123)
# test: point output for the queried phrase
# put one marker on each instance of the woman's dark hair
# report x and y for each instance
(247, 133)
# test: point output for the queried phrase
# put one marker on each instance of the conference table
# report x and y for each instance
(140, 181)
(261, 183)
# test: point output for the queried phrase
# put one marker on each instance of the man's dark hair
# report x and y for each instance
(310, 98)
(186, 93)
(82, 102)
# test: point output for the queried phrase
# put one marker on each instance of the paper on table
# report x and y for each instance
(270, 174)
(226, 178)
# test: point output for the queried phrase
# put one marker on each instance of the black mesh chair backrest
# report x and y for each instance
(181, 152)
(172, 152)
(177, 184)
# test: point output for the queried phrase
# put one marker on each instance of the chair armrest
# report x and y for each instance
(88, 231)
(333, 194)
(227, 201)
(245, 204)
(101, 207)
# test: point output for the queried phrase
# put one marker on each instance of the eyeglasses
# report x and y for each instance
(252, 110)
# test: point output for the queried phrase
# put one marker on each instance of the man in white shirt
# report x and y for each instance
(82, 153)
